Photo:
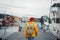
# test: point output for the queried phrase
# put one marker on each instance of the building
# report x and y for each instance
(55, 19)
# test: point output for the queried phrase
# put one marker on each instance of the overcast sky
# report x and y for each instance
(35, 8)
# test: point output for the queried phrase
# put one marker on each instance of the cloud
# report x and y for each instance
(35, 8)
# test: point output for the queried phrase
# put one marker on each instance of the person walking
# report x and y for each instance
(31, 30)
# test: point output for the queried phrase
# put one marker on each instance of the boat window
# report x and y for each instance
(53, 19)
(50, 21)
(56, 20)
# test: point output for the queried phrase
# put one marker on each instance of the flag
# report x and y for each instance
(54, 13)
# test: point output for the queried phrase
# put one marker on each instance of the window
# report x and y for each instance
(56, 20)
(50, 21)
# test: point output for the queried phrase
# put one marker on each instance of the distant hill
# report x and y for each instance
(2, 15)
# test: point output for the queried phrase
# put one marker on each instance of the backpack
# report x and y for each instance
(30, 29)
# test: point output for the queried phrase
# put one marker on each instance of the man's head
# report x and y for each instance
(31, 19)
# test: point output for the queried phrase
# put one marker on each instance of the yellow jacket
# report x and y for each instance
(35, 30)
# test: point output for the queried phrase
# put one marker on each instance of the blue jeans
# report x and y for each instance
(30, 38)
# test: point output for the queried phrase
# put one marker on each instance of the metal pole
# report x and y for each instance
(5, 26)
(50, 9)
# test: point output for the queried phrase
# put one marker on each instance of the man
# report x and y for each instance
(46, 25)
(31, 30)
